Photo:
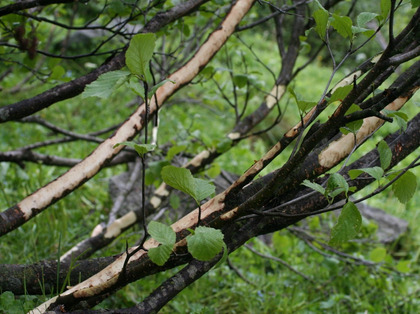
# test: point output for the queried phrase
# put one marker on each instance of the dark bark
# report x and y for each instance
(21, 156)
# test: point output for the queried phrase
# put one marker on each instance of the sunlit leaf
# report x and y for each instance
(281, 243)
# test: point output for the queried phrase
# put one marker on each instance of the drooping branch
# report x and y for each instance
(21, 156)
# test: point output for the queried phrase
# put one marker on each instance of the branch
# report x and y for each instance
(20, 156)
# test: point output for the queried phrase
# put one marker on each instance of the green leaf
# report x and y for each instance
(57, 72)
(374, 172)
(139, 54)
(352, 127)
(182, 179)
(7, 299)
(367, 32)
(335, 181)
(206, 243)
(141, 149)
(153, 90)
(348, 225)
(282, 243)
(314, 186)
(159, 255)
(214, 170)
(353, 108)
(174, 201)
(224, 145)
(321, 20)
(105, 84)
(354, 173)
(203, 189)
(154, 169)
(207, 72)
(161, 233)
(179, 178)
(385, 8)
(365, 17)
(415, 3)
(340, 93)
(224, 256)
(175, 150)
(136, 87)
(405, 187)
(343, 25)
(385, 154)
(399, 117)
(303, 105)
(403, 266)
(377, 255)
(240, 80)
